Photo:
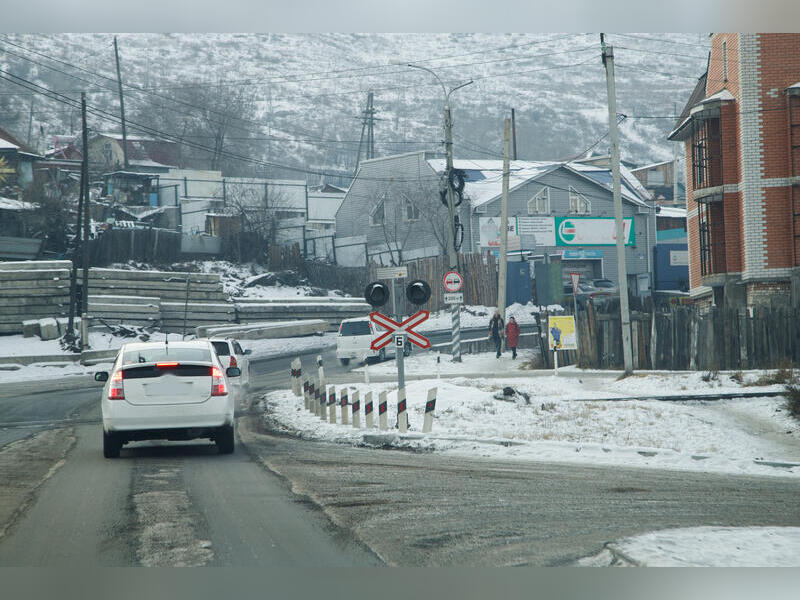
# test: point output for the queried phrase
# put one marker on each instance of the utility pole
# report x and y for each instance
(121, 109)
(30, 121)
(451, 209)
(73, 274)
(368, 126)
(502, 275)
(622, 270)
(85, 193)
(514, 134)
(674, 167)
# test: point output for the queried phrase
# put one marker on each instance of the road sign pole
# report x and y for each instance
(399, 347)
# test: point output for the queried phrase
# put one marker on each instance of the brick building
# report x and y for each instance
(741, 130)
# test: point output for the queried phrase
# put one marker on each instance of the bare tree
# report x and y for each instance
(261, 207)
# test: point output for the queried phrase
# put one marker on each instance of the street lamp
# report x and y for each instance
(451, 241)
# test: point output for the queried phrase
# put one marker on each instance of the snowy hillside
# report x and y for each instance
(309, 90)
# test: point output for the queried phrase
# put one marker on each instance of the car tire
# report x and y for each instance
(224, 439)
(111, 445)
(344, 361)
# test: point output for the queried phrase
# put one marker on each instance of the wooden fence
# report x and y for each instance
(688, 339)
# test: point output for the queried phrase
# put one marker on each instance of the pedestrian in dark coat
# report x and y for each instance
(512, 335)
(497, 331)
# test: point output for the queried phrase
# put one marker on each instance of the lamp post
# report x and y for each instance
(451, 210)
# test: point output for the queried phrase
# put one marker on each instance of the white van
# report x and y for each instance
(354, 339)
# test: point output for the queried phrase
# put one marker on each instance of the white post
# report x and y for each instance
(430, 406)
(555, 359)
(323, 399)
(368, 409)
(294, 380)
(402, 415)
(332, 405)
(320, 371)
(305, 392)
(315, 398)
(356, 411)
(344, 405)
(382, 405)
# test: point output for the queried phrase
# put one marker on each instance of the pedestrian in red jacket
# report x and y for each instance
(512, 335)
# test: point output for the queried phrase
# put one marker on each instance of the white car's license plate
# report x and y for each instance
(169, 388)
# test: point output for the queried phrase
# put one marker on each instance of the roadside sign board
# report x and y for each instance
(454, 298)
(391, 272)
(576, 277)
(452, 281)
(561, 333)
(405, 328)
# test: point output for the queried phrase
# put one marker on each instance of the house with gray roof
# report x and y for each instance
(392, 213)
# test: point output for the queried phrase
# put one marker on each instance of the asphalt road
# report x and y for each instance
(281, 501)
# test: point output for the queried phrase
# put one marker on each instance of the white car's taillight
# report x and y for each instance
(218, 385)
(116, 391)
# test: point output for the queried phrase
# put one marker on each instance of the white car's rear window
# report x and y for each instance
(355, 328)
(147, 355)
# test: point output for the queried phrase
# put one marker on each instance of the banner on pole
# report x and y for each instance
(561, 333)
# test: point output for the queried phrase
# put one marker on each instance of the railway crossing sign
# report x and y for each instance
(405, 329)
(452, 281)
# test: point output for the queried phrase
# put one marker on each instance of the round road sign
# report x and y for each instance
(452, 281)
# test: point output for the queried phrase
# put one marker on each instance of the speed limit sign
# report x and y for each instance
(452, 281)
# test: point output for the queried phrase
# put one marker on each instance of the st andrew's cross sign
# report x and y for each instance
(406, 328)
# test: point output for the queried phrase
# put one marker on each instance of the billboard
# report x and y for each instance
(561, 333)
(592, 231)
(543, 229)
(490, 230)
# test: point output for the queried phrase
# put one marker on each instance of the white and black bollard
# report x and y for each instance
(323, 409)
(343, 403)
(430, 406)
(368, 410)
(402, 415)
(313, 397)
(332, 405)
(382, 406)
(297, 373)
(356, 410)
(320, 371)
(305, 392)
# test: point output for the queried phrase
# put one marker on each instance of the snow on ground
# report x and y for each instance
(553, 425)
(18, 345)
(45, 371)
(479, 316)
(280, 346)
(706, 547)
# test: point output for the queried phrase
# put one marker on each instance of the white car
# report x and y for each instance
(172, 391)
(354, 340)
(231, 354)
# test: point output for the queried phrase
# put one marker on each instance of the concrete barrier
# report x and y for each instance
(402, 414)
(332, 404)
(344, 405)
(32, 290)
(356, 410)
(266, 330)
(48, 329)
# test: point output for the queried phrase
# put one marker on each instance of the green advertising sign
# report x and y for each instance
(592, 231)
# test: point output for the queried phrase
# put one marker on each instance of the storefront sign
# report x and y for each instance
(543, 229)
(590, 231)
(490, 230)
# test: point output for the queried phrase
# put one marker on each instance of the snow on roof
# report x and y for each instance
(324, 206)
(631, 188)
(9, 204)
(673, 212)
(6, 144)
(485, 177)
(652, 166)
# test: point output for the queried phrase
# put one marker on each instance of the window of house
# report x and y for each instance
(725, 61)
(706, 153)
(377, 216)
(411, 212)
(540, 203)
(578, 204)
